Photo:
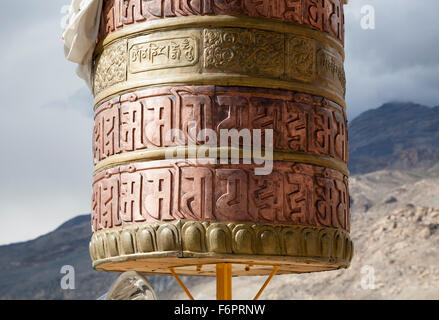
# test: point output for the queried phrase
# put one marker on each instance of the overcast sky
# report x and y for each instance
(46, 158)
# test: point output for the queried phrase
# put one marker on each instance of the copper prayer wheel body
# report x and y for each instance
(184, 93)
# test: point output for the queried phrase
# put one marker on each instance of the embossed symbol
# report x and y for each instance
(244, 51)
(111, 66)
(301, 58)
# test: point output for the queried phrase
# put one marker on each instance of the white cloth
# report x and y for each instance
(80, 35)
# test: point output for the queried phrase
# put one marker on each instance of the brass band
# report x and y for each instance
(242, 56)
(163, 245)
(221, 21)
(214, 153)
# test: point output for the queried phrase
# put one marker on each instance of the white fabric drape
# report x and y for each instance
(80, 35)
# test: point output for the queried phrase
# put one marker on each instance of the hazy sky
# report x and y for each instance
(46, 158)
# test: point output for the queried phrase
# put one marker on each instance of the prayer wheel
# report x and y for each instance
(162, 206)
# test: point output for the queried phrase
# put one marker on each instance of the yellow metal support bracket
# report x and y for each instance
(224, 281)
(181, 283)
(275, 268)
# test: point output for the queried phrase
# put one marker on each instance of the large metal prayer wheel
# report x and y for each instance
(220, 64)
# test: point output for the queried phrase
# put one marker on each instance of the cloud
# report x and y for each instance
(45, 136)
(45, 167)
(80, 101)
(396, 61)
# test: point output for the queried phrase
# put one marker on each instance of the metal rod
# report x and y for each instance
(181, 284)
(224, 281)
(275, 268)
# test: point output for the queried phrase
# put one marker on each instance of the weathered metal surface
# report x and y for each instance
(140, 120)
(156, 247)
(169, 190)
(293, 60)
(215, 65)
(322, 15)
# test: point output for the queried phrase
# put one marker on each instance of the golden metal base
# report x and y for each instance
(253, 248)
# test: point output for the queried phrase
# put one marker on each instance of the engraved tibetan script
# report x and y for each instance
(300, 122)
(172, 190)
(161, 54)
(323, 15)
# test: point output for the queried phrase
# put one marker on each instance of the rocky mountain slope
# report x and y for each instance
(394, 136)
(31, 270)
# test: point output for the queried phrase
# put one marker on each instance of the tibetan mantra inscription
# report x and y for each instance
(243, 67)
(140, 120)
(169, 190)
(322, 15)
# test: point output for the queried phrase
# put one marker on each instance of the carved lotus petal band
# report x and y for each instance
(155, 247)
(168, 190)
(322, 15)
(294, 59)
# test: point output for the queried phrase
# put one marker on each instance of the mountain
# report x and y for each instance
(396, 135)
(31, 270)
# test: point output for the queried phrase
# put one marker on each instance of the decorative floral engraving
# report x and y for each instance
(111, 66)
(244, 50)
(301, 58)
